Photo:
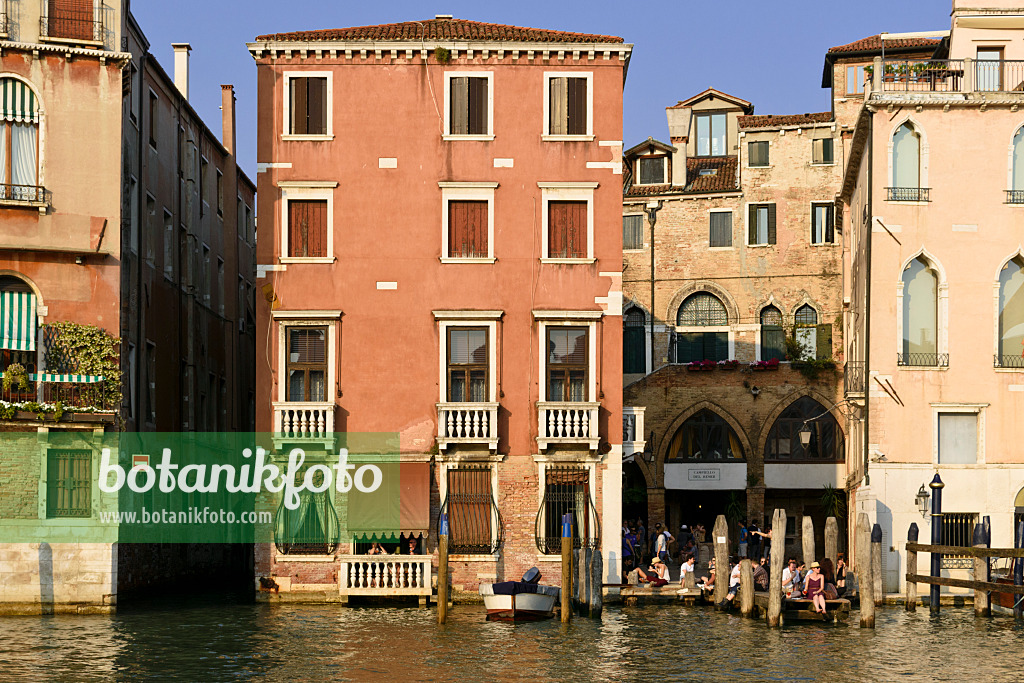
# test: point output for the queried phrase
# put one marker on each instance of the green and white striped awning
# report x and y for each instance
(18, 321)
(17, 102)
(55, 377)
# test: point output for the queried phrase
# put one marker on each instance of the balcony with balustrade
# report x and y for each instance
(467, 424)
(568, 423)
(303, 422)
(385, 576)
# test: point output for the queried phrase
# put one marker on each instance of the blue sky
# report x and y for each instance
(770, 53)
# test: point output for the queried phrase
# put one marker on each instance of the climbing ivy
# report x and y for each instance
(87, 350)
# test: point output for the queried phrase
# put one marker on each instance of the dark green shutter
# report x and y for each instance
(689, 347)
(824, 341)
(771, 224)
(633, 356)
(773, 342)
(752, 224)
(721, 346)
(829, 225)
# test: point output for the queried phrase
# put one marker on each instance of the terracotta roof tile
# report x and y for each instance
(647, 190)
(775, 120)
(443, 29)
(722, 180)
(873, 43)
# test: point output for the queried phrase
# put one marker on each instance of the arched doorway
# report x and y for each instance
(1018, 511)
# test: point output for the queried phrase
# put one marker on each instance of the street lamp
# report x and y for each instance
(805, 435)
(922, 500)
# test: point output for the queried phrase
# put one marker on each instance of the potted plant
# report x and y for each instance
(772, 364)
(728, 364)
(707, 365)
(694, 365)
(15, 375)
(889, 73)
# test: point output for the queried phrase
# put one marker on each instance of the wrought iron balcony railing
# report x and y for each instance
(57, 21)
(1015, 196)
(854, 377)
(923, 360)
(952, 75)
(1008, 361)
(27, 194)
(908, 194)
(45, 388)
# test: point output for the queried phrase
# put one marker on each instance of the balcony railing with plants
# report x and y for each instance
(1015, 196)
(923, 360)
(951, 75)
(58, 21)
(908, 194)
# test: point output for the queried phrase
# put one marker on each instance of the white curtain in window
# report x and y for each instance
(906, 157)
(958, 438)
(23, 154)
(920, 309)
(1018, 160)
(1011, 309)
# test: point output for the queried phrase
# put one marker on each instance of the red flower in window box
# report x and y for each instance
(728, 364)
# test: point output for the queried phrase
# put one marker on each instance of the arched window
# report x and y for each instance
(19, 142)
(806, 333)
(773, 337)
(634, 356)
(1011, 315)
(1015, 195)
(920, 315)
(906, 165)
(17, 333)
(702, 310)
(705, 436)
(825, 444)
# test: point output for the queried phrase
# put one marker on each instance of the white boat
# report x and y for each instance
(519, 601)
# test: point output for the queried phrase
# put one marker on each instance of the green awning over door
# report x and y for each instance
(18, 321)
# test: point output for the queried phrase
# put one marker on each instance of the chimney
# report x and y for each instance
(227, 117)
(181, 51)
(679, 134)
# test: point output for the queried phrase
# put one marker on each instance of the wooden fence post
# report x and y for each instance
(778, 553)
(807, 538)
(442, 570)
(911, 588)
(981, 604)
(721, 539)
(876, 564)
(864, 581)
(746, 587)
(832, 539)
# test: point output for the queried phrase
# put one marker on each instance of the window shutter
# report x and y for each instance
(827, 150)
(824, 341)
(307, 228)
(317, 106)
(576, 123)
(557, 106)
(477, 115)
(632, 232)
(689, 347)
(773, 342)
(318, 228)
(721, 229)
(771, 224)
(300, 106)
(297, 227)
(721, 346)
(752, 224)
(459, 114)
(567, 229)
(829, 224)
(458, 228)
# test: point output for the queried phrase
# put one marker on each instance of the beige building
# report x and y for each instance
(736, 218)
(933, 202)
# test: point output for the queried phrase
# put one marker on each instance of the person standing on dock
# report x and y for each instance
(661, 542)
(641, 541)
(744, 538)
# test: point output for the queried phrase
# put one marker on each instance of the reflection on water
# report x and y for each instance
(218, 639)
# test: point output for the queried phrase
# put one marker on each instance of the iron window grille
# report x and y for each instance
(567, 491)
(702, 310)
(475, 526)
(69, 483)
(908, 194)
(923, 360)
(310, 529)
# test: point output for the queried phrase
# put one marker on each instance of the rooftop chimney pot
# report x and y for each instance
(181, 52)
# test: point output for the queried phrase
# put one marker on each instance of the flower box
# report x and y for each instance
(728, 364)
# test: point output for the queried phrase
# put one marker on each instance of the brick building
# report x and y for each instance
(92, 318)
(442, 253)
(736, 217)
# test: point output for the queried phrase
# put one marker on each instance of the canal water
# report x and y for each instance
(203, 639)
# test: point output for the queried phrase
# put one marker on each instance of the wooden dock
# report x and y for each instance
(646, 594)
(803, 610)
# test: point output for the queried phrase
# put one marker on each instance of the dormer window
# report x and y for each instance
(651, 170)
(710, 135)
(708, 171)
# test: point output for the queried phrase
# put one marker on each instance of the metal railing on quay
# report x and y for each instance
(923, 360)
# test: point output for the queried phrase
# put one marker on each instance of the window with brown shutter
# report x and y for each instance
(567, 106)
(306, 364)
(70, 19)
(308, 112)
(761, 224)
(567, 229)
(470, 507)
(467, 229)
(307, 227)
(468, 106)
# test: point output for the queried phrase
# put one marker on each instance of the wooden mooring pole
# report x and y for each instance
(911, 586)
(442, 570)
(566, 568)
(832, 539)
(746, 587)
(721, 539)
(981, 597)
(778, 553)
(876, 563)
(865, 584)
(807, 538)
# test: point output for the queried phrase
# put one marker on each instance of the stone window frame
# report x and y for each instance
(942, 310)
(922, 160)
(286, 80)
(289, 319)
(572, 192)
(546, 134)
(1018, 130)
(448, 76)
(306, 190)
(977, 409)
(588, 462)
(470, 191)
(1019, 255)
